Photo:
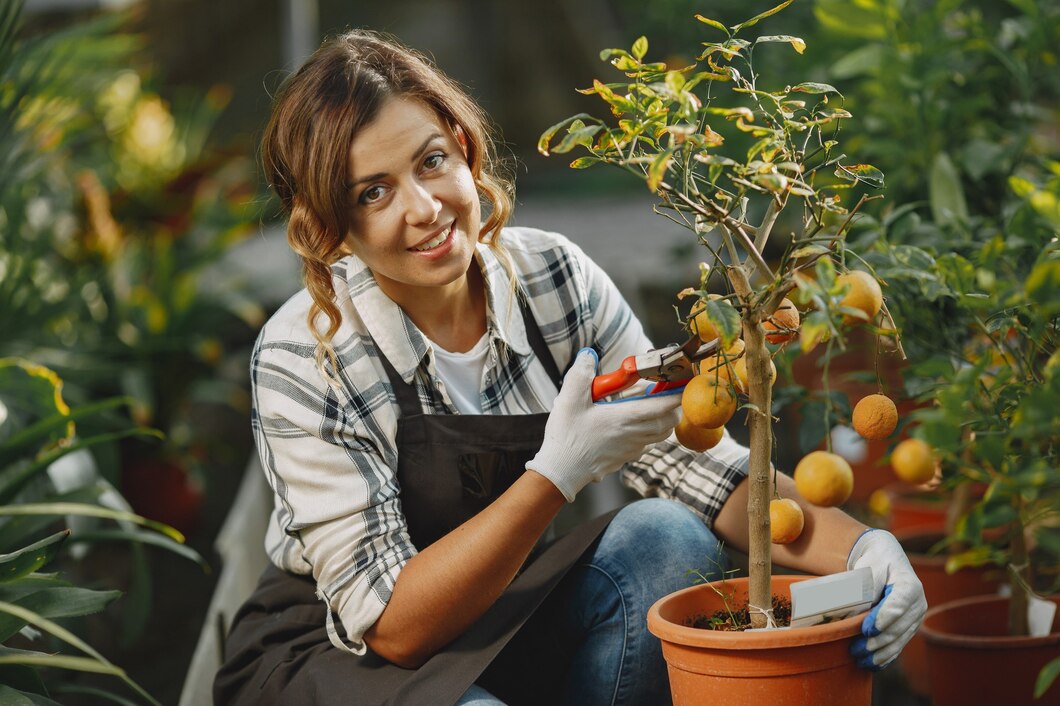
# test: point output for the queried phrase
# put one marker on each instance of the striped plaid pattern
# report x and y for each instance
(329, 451)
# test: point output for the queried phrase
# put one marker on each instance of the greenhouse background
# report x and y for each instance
(140, 252)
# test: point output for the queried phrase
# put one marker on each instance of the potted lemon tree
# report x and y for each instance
(730, 155)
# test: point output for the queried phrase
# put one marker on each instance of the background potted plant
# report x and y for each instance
(728, 152)
(995, 422)
(963, 98)
(107, 286)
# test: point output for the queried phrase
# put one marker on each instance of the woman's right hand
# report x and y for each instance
(585, 441)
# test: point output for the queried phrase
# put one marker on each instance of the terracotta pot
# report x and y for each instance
(974, 661)
(793, 667)
(939, 588)
(915, 511)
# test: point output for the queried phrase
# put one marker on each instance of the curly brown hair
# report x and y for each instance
(316, 114)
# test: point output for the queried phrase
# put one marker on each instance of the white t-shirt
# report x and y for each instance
(462, 374)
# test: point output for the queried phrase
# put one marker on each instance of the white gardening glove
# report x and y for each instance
(899, 603)
(585, 441)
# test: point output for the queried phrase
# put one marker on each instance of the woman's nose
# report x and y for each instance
(421, 205)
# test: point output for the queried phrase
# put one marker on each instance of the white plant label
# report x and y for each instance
(831, 597)
(1040, 616)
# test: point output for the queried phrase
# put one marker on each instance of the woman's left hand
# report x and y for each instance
(900, 604)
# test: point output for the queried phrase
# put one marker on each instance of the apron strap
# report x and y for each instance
(537, 341)
(409, 400)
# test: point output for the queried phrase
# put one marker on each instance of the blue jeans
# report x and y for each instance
(597, 615)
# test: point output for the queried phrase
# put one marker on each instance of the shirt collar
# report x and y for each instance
(398, 338)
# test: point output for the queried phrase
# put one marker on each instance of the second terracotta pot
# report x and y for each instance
(973, 660)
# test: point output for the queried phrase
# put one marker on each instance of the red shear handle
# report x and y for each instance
(616, 381)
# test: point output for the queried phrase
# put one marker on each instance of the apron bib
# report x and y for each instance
(450, 467)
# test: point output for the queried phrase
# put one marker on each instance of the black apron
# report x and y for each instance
(450, 467)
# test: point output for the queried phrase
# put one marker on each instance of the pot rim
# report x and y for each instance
(670, 631)
(983, 642)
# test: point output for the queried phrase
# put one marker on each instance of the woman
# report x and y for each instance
(419, 437)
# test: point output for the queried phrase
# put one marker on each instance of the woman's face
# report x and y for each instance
(416, 212)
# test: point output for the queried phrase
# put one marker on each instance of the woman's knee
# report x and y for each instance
(665, 539)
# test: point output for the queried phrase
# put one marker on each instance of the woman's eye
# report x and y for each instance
(371, 194)
(434, 161)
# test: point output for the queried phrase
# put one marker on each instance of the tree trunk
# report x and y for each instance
(1018, 603)
(759, 474)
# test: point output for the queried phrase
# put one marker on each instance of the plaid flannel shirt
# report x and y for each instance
(329, 451)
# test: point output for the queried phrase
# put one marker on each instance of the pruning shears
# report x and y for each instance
(670, 367)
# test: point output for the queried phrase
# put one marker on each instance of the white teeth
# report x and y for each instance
(435, 242)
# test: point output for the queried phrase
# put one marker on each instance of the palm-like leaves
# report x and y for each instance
(46, 84)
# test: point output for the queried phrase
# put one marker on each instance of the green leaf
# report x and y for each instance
(754, 20)
(29, 393)
(29, 439)
(813, 329)
(1043, 286)
(640, 47)
(945, 192)
(776, 183)
(808, 250)
(824, 271)
(798, 44)
(28, 559)
(675, 81)
(811, 87)
(713, 23)
(1021, 187)
(864, 173)
(657, 170)
(726, 319)
(977, 556)
(89, 511)
(581, 135)
(56, 661)
(606, 54)
(1046, 677)
(151, 538)
(584, 162)
(546, 137)
(57, 603)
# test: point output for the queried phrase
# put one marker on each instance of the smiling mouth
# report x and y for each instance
(435, 241)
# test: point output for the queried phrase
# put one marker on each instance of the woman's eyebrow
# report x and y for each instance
(416, 155)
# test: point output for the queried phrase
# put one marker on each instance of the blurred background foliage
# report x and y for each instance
(130, 204)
